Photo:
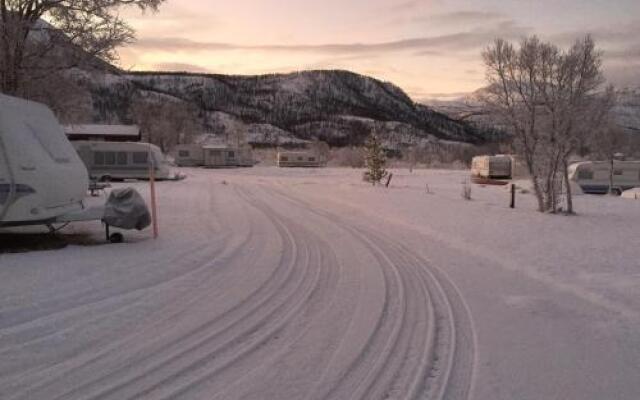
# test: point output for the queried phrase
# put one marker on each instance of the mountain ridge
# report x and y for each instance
(339, 107)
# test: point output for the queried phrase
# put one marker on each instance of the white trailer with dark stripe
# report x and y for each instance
(213, 156)
(122, 160)
(290, 159)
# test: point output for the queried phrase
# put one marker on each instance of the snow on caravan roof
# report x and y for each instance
(106, 132)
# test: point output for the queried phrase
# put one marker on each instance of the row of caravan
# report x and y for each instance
(593, 177)
(107, 161)
(221, 156)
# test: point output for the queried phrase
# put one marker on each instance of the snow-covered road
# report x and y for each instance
(307, 284)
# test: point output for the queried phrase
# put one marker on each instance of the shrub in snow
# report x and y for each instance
(466, 190)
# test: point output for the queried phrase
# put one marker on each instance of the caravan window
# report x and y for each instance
(183, 153)
(585, 174)
(617, 172)
(51, 140)
(110, 158)
(284, 158)
(312, 159)
(122, 158)
(98, 158)
(232, 154)
(140, 157)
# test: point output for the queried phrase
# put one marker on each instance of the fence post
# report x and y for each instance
(513, 195)
(389, 180)
(152, 187)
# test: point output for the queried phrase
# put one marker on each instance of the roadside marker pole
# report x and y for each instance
(152, 187)
(513, 196)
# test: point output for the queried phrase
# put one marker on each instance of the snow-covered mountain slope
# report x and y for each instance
(469, 108)
(339, 107)
(628, 109)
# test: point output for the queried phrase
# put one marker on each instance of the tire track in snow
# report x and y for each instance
(420, 346)
(10, 319)
(451, 373)
(84, 356)
(199, 362)
(271, 324)
(206, 271)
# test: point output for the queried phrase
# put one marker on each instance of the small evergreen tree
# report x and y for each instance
(376, 159)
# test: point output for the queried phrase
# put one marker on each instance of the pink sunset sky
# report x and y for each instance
(430, 48)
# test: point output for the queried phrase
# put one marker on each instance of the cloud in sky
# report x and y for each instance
(425, 46)
(180, 67)
(453, 42)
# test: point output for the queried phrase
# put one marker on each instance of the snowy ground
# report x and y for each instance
(309, 284)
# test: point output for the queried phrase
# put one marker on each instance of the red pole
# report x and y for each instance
(152, 187)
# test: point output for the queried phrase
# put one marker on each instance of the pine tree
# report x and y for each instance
(375, 160)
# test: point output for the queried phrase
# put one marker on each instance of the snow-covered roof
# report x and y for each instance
(102, 130)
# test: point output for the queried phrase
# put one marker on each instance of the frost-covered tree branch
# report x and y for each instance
(549, 99)
(38, 37)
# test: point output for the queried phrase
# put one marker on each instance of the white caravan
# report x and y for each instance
(41, 176)
(122, 160)
(289, 159)
(593, 176)
(492, 167)
(213, 156)
(225, 157)
(189, 155)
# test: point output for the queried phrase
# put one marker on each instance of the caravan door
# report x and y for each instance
(215, 158)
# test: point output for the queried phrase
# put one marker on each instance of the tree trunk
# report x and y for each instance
(534, 180)
(611, 160)
(569, 192)
(538, 192)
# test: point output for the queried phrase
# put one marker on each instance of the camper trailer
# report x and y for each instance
(122, 160)
(593, 177)
(221, 156)
(189, 155)
(492, 167)
(288, 159)
(41, 176)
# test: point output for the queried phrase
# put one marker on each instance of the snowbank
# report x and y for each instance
(633, 194)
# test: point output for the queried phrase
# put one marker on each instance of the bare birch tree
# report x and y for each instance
(549, 99)
(38, 37)
(165, 122)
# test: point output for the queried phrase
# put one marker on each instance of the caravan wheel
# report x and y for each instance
(116, 238)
